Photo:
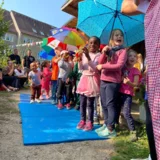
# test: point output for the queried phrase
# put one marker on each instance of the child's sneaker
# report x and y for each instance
(31, 101)
(88, 126)
(41, 97)
(68, 106)
(100, 129)
(15, 89)
(81, 124)
(53, 102)
(107, 134)
(47, 97)
(60, 106)
(133, 136)
(38, 100)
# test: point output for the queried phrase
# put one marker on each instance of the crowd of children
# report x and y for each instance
(79, 80)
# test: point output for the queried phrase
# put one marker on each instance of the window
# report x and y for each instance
(34, 30)
(41, 33)
(27, 40)
(8, 37)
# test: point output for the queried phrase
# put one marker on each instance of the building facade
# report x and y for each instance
(25, 30)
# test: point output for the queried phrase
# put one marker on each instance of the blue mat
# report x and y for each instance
(43, 124)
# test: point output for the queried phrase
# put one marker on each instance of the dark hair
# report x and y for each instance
(97, 39)
(44, 64)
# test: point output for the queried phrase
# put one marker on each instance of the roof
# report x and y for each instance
(30, 26)
(72, 23)
(71, 7)
(7, 17)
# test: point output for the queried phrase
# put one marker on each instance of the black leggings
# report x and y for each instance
(64, 89)
(150, 135)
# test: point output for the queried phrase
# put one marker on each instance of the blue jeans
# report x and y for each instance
(108, 94)
(125, 101)
(54, 89)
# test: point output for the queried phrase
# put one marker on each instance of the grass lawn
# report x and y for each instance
(126, 150)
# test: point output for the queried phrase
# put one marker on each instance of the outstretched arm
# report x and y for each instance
(129, 7)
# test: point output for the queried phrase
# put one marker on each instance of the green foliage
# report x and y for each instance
(4, 50)
(126, 150)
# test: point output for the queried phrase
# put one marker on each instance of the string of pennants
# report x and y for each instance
(27, 44)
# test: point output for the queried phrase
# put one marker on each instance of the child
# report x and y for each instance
(38, 65)
(111, 62)
(35, 80)
(55, 71)
(130, 76)
(139, 62)
(46, 78)
(75, 76)
(88, 86)
(152, 34)
(64, 85)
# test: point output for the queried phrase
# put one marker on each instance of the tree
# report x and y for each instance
(4, 49)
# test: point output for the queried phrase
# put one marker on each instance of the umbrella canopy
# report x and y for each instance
(45, 44)
(55, 43)
(68, 36)
(44, 55)
(102, 16)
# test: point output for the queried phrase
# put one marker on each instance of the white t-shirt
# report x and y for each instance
(18, 73)
(143, 6)
(36, 77)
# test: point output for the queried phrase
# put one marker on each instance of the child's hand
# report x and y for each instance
(126, 80)
(86, 52)
(105, 49)
(99, 67)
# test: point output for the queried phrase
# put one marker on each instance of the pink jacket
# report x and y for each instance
(111, 71)
(89, 67)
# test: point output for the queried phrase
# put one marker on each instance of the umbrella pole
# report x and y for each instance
(115, 16)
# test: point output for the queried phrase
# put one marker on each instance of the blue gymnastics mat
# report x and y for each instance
(44, 124)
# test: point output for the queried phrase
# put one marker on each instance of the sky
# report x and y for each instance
(48, 11)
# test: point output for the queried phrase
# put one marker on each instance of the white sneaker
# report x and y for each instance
(38, 100)
(31, 101)
(8, 90)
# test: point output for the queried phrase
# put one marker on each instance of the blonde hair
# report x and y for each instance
(131, 50)
(111, 36)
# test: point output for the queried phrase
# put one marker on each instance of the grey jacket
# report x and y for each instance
(65, 69)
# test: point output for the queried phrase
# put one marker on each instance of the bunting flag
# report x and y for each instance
(27, 44)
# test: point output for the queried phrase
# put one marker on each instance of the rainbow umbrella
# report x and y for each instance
(44, 55)
(56, 43)
(69, 36)
(45, 44)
